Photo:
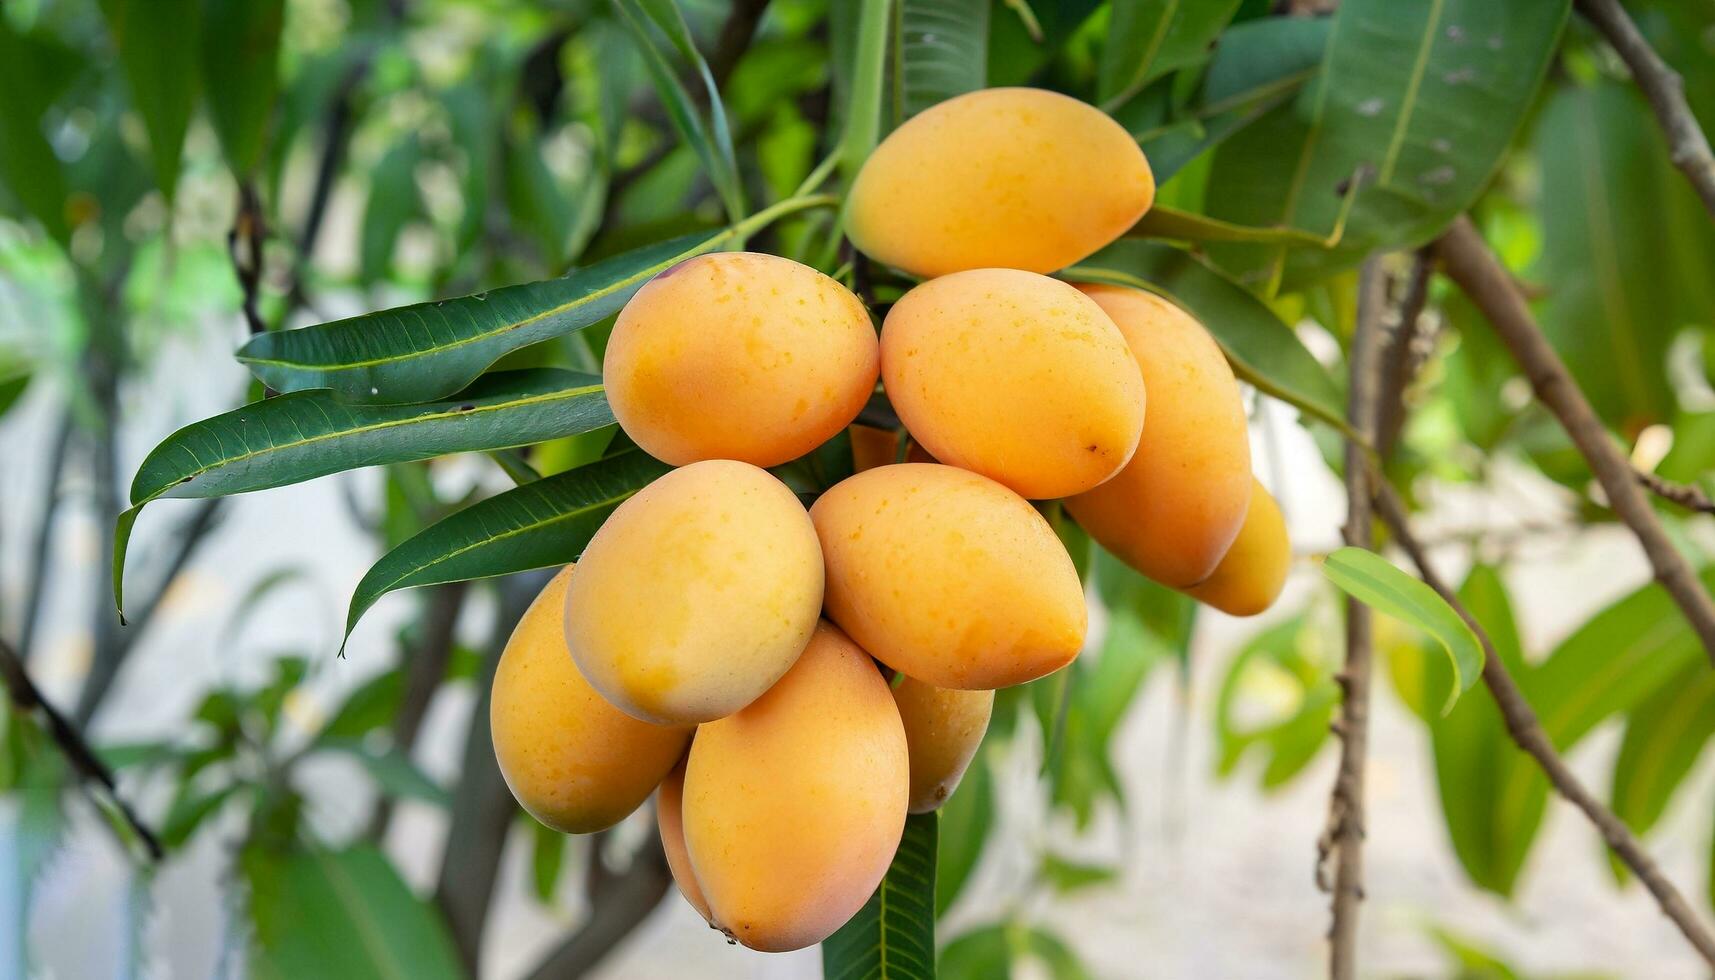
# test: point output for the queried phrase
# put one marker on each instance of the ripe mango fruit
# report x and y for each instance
(1251, 575)
(1014, 178)
(739, 355)
(794, 806)
(1016, 376)
(697, 594)
(943, 728)
(1175, 509)
(574, 762)
(948, 577)
(669, 820)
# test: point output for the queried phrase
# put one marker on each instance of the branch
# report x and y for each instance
(1525, 730)
(1404, 355)
(1469, 263)
(618, 905)
(1343, 840)
(90, 769)
(41, 558)
(1687, 146)
(244, 245)
(1683, 494)
(426, 667)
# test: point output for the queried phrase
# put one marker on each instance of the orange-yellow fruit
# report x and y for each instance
(1173, 511)
(1250, 577)
(697, 594)
(943, 728)
(669, 818)
(1015, 376)
(739, 355)
(948, 577)
(575, 762)
(1011, 178)
(794, 806)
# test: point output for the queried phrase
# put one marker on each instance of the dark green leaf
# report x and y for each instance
(430, 350)
(537, 525)
(153, 37)
(942, 52)
(1171, 223)
(28, 168)
(893, 936)
(320, 913)
(1377, 583)
(966, 819)
(240, 63)
(1149, 38)
(1263, 350)
(393, 203)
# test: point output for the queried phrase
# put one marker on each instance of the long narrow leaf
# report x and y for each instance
(1375, 582)
(1149, 38)
(942, 52)
(893, 936)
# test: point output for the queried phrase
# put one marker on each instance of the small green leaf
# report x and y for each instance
(392, 769)
(1665, 735)
(1149, 38)
(240, 63)
(537, 525)
(1067, 875)
(152, 37)
(1374, 581)
(28, 168)
(547, 857)
(188, 812)
(893, 936)
(942, 52)
(393, 202)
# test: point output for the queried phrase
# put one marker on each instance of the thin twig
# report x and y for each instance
(1469, 263)
(1522, 725)
(244, 245)
(90, 769)
(1687, 145)
(1343, 840)
(1403, 356)
(1684, 494)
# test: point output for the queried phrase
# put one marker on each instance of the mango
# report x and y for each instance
(670, 821)
(574, 762)
(739, 355)
(1253, 571)
(1175, 509)
(697, 594)
(1012, 178)
(1015, 376)
(948, 577)
(943, 729)
(794, 806)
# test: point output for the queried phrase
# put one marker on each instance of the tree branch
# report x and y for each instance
(1687, 146)
(90, 769)
(1522, 725)
(1403, 356)
(618, 905)
(1683, 494)
(41, 559)
(425, 668)
(1343, 840)
(1469, 263)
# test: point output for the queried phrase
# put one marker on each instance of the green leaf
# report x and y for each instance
(152, 37)
(1149, 38)
(304, 435)
(340, 914)
(966, 819)
(1665, 735)
(893, 936)
(1165, 222)
(1417, 102)
(369, 707)
(240, 64)
(868, 76)
(1263, 350)
(942, 52)
(547, 857)
(391, 768)
(1276, 666)
(28, 168)
(1069, 876)
(1375, 582)
(188, 812)
(536, 525)
(981, 954)
(430, 350)
(393, 202)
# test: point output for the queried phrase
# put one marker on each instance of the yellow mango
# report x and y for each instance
(948, 577)
(739, 355)
(670, 821)
(1015, 376)
(697, 594)
(1173, 511)
(575, 762)
(794, 806)
(1251, 575)
(1013, 178)
(943, 728)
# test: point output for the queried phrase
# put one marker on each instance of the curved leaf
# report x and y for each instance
(152, 37)
(537, 525)
(969, 816)
(301, 436)
(1665, 734)
(1149, 38)
(1375, 582)
(942, 52)
(240, 62)
(32, 68)
(430, 350)
(1264, 351)
(893, 936)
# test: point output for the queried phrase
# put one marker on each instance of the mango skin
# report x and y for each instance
(1012, 178)
(697, 594)
(1015, 376)
(948, 577)
(669, 820)
(943, 729)
(794, 806)
(573, 761)
(1175, 509)
(1251, 575)
(739, 355)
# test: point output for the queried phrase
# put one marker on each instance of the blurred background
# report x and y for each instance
(342, 156)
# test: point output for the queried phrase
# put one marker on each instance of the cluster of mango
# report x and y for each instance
(695, 617)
